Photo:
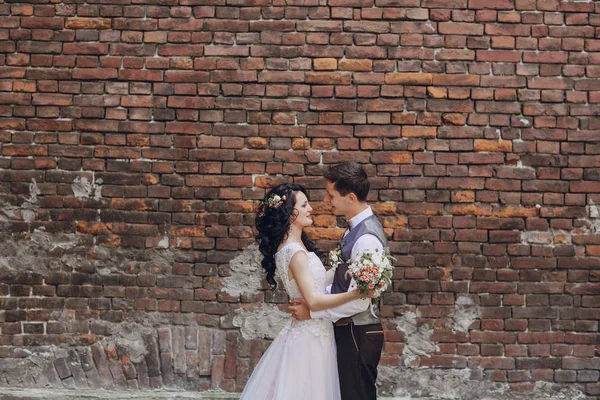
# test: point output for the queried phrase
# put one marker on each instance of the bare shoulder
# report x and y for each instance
(300, 257)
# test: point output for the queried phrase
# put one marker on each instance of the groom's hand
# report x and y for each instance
(299, 309)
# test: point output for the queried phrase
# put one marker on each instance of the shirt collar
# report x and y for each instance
(361, 216)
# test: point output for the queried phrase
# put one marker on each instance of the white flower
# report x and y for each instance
(335, 256)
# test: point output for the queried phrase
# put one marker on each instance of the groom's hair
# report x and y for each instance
(349, 177)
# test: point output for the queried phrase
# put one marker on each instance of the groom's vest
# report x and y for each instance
(341, 281)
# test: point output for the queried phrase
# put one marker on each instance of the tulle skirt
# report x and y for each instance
(300, 364)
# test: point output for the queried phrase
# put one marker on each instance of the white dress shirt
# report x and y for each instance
(365, 242)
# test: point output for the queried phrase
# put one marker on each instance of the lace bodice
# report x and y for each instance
(317, 270)
(282, 262)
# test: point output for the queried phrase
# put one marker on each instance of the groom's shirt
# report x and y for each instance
(365, 242)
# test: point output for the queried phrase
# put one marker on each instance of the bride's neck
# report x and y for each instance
(294, 235)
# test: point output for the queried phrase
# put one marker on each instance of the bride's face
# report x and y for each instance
(302, 211)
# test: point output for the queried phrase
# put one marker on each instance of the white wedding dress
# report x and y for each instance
(301, 362)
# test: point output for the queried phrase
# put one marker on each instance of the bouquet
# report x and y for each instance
(372, 271)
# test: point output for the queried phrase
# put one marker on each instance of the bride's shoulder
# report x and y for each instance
(290, 247)
(288, 251)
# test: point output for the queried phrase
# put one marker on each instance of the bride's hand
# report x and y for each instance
(369, 294)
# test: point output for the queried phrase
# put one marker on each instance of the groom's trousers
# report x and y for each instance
(358, 353)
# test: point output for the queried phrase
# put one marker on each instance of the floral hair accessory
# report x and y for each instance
(273, 201)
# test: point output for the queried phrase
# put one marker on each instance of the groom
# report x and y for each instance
(358, 333)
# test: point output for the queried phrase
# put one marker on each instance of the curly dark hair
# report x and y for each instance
(273, 224)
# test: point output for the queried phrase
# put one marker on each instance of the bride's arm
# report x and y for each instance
(316, 302)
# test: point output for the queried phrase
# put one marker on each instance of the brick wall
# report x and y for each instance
(136, 137)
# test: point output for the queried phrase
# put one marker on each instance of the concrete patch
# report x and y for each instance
(21, 370)
(18, 255)
(246, 273)
(40, 394)
(8, 212)
(459, 384)
(128, 338)
(27, 211)
(465, 313)
(417, 338)
(50, 242)
(84, 189)
(30, 206)
(263, 322)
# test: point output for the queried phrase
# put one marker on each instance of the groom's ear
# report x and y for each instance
(352, 197)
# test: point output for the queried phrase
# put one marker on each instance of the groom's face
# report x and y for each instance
(339, 203)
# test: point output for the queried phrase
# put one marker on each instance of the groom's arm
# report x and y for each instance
(364, 243)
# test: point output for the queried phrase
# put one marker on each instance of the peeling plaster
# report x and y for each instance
(417, 338)
(29, 366)
(19, 255)
(538, 237)
(30, 206)
(84, 189)
(593, 217)
(246, 273)
(28, 363)
(26, 211)
(117, 394)
(262, 322)
(465, 313)
(38, 253)
(163, 243)
(8, 211)
(460, 384)
(128, 338)
(49, 242)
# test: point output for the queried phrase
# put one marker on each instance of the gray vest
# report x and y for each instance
(341, 281)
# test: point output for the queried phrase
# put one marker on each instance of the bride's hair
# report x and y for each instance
(273, 220)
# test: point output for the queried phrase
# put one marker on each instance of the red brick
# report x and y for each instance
(94, 73)
(329, 78)
(408, 79)
(52, 99)
(546, 57)
(355, 65)
(457, 28)
(456, 80)
(85, 48)
(419, 131)
(88, 23)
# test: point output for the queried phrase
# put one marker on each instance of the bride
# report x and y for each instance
(301, 362)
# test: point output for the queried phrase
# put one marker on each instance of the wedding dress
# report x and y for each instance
(301, 362)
